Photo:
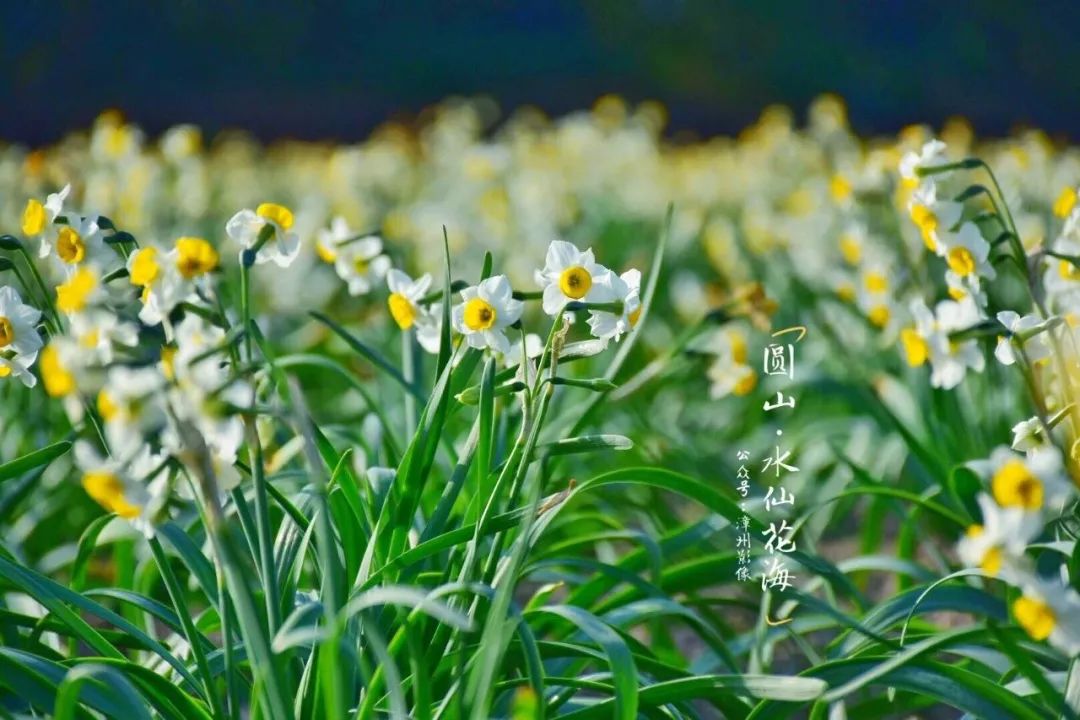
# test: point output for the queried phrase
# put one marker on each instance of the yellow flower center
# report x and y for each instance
(106, 407)
(168, 355)
(90, 339)
(575, 282)
(745, 384)
(5, 370)
(479, 315)
(276, 213)
(326, 254)
(108, 491)
(991, 561)
(145, 267)
(58, 381)
(846, 292)
(738, 347)
(927, 223)
(7, 332)
(875, 282)
(195, 256)
(957, 293)
(915, 347)
(73, 295)
(879, 315)
(1068, 271)
(1065, 202)
(70, 246)
(839, 188)
(961, 261)
(33, 219)
(1036, 617)
(1014, 485)
(402, 310)
(360, 266)
(975, 530)
(634, 316)
(850, 249)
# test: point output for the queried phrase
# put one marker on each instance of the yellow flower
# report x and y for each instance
(402, 310)
(746, 382)
(876, 282)
(915, 347)
(879, 315)
(70, 246)
(1014, 485)
(1036, 617)
(276, 213)
(479, 315)
(107, 489)
(106, 407)
(1065, 202)
(839, 188)
(144, 267)
(7, 332)
(195, 256)
(850, 249)
(961, 261)
(34, 218)
(58, 380)
(927, 223)
(73, 296)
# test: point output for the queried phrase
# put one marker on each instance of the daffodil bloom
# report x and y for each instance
(1035, 349)
(98, 332)
(61, 364)
(997, 544)
(487, 310)
(38, 221)
(1050, 610)
(80, 291)
(405, 296)
(932, 217)
(162, 283)
(18, 367)
(328, 239)
(18, 321)
(1062, 278)
(133, 487)
(281, 246)
(729, 373)
(929, 341)
(1033, 483)
(929, 155)
(361, 264)
(1065, 202)
(193, 257)
(77, 242)
(569, 274)
(967, 254)
(623, 288)
(1029, 435)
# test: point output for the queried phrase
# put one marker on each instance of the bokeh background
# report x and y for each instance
(316, 70)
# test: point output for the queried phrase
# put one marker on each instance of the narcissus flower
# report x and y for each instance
(361, 264)
(80, 291)
(77, 242)
(405, 296)
(38, 221)
(929, 341)
(933, 217)
(930, 154)
(193, 257)
(623, 288)
(488, 309)
(18, 321)
(568, 274)
(328, 239)
(98, 332)
(1029, 435)
(1006, 352)
(280, 245)
(18, 366)
(1050, 611)
(1031, 483)
(129, 403)
(133, 488)
(996, 544)
(161, 282)
(967, 254)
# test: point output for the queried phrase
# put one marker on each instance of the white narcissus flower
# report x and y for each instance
(281, 247)
(967, 254)
(929, 341)
(361, 264)
(18, 367)
(405, 296)
(1050, 611)
(18, 332)
(99, 331)
(610, 287)
(930, 154)
(78, 242)
(1061, 277)
(569, 274)
(81, 290)
(123, 486)
(488, 309)
(39, 220)
(1033, 483)
(1028, 435)
(933, 217)
(163, 287)
(1015, 323)
(129, 403)
(998, 543)
(328, 239)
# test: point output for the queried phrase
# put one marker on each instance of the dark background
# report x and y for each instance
(319, 70)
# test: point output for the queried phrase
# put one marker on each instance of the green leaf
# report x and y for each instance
(35, 459)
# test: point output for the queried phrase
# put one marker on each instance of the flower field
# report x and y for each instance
(528, 417)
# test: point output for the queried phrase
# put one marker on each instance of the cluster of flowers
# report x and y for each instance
(149, 378)
(1032, 484)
